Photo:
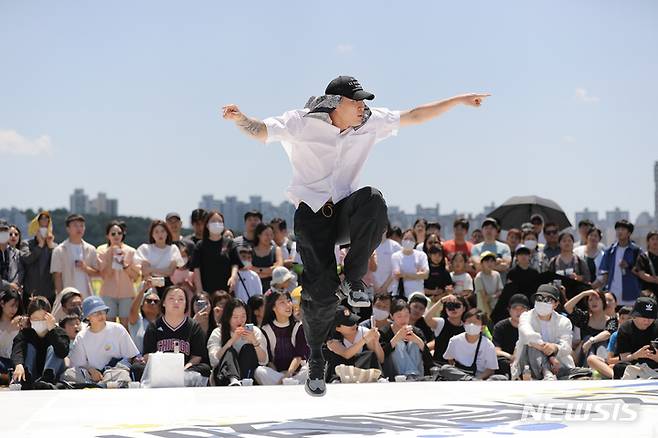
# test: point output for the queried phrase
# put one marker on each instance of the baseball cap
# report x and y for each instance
(548, 290)
(487, 255)
(489, 221)
(349, 87)
(645, 307)
(519, 300)
(69, 292)
(93, 304)
(171, 215)
(522, 249)
(419, 297)
(344, 316)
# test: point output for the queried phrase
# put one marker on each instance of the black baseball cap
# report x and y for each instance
(522, 249)
(519, 300)
(344, 316)
(349, 87)
(548, 290)
(253, 213)
(645, 307)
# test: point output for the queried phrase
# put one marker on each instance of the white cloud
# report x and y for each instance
(344, 49)
(11, 142)
(569, 139)
(583, 96)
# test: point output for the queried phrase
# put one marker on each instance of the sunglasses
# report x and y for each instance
(151, 301)
(116, 233)
(550, 232)
(544, 299)
(453, 306)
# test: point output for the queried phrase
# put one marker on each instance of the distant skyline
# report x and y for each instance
(123, 98)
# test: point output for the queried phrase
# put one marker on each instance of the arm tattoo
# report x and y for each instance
(251, 127)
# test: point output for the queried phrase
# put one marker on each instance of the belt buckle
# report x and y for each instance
(327, 210)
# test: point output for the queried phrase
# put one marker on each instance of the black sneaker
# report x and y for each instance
(315, 385)
(354, 292)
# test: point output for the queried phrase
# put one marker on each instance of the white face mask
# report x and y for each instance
(379, 314)
(531, 244)
(408, 244)
(43, 231)
(472, 329)
(543, 309)
(246, 263)
(216, 227)
(40, 327)
(4, 237)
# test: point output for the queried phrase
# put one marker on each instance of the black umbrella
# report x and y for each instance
(518, 210)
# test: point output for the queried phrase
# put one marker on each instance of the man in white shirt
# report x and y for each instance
(327, 144)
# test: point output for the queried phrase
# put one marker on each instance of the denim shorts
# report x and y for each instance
(118, 307)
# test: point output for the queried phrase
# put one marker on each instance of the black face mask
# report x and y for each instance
(435, 250)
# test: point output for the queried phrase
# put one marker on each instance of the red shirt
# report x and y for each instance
(450, 247)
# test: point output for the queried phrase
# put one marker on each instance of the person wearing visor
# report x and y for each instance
(328, 143)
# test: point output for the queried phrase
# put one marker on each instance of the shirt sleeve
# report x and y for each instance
(395, 262)
(450, 351)
(498, 334)
(128, 347)
(197, 340)
(284, 127)
(490, 359)
(579, 317)
(440, 323)
(77, 354)
(214, 345)
(423, 264)
(468, 282)
(384, 122)
(499, 281)
(150, 344)
(56, 264)
(301, 347)
(505, 252)
(604, 267)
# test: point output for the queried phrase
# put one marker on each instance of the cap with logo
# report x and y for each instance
(349, 87)
(344, 316)
(645, 307)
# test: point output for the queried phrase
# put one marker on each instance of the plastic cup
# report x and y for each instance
(134, 385)
(112, 385)
(400, 378)
(247, 382)
(15, 387)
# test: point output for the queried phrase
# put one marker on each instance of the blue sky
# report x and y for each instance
(123, 97)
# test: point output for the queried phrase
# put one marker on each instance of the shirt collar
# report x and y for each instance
(320, 107)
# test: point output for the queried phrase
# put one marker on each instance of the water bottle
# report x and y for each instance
(527, 375)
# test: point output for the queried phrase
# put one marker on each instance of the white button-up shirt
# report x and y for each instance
(326, 164)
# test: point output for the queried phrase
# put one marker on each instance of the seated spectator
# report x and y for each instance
(39, 348)
(119, 271)
(236, 348)
(352, 345)
(635, 336)
(591, 322)
(471, 355)
(72, 324)
(249, 283)
(218, 301)
(144, 310)
(410, 266)
(11, 321)
(418, 303)
(544, 339)
(381, 310)
(592, 254)
(488, 284)
(448, 324)
(439, 281)
(37, 257)
(538, 259)
(70, 303)
(286, 343)
(211, 261)
(404, 345)
(646, 266)
(459, 243)
(567, 263)
(103, 351)
(283, 280)
(160, 257)
(11, 274)
(506, 333)
(500, 250)
(177, 333)
(200, 311)
(256, 310)
(461, 279)
(604, 366)
(266, 255)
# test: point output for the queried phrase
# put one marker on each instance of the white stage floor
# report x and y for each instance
(444, 409)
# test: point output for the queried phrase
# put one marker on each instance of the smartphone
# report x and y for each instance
(654, 345)
(557, 283)
(199, 305)
(157, 281)
(372, 322)
(249, 327)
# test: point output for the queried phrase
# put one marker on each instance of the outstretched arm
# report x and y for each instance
(252, 127)
(423, 113)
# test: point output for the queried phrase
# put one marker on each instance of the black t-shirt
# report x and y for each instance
(648, 263)
(189, 335)
(505, 335)
(526, 280)
(212, 259)
(428, 333)
(630, 339)
(439, 277)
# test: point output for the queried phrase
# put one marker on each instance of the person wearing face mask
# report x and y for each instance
(545, 339)
(211, 260)
(249, 283)
(538, 260)
(381, 310)
(11, 268)
(71, 303)
(37, 257)
(410, 266)
(39, 350)
(471, 355)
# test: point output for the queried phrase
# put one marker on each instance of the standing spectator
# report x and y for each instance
(545, 339)
(647, 264)
(280, 228)
(144, 310)
(11, 321)
(451, 309)
(267, 255)
(16, 238)
(395, 234)
(410, 265)
(506, 332)
(488, 284)
(383, 276)
(249, 284)
(74, 261)
(198, 221)
(592, 252)
(439, 280)
(538, 259)
(461, 279)
(477, 236)
(159, 257)
(37, 258)
(39, 348)
(119, 271)
(502, 253)
(459, 242)
(584, 226)
(419, 232)
(567, 263)
(537, 222)
(210, 260)
(618, 262)
(175, 332)
(635, 336)
(11, 268)
(552, 245)
(514, 237)
(248, 238)
(523, 275)
(175, 225)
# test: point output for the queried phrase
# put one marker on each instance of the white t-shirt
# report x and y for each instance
(97, 349)
(616, 286)
(253, 285)
(385, 251)
(463, 352)
(410, 264)
(545, 330)
(360, 333)
(81, 280)
(461, 282)
(159, 258)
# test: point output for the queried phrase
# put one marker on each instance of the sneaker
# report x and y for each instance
(548, 375)
(315, 385)
(234, 382)
(356, 296)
